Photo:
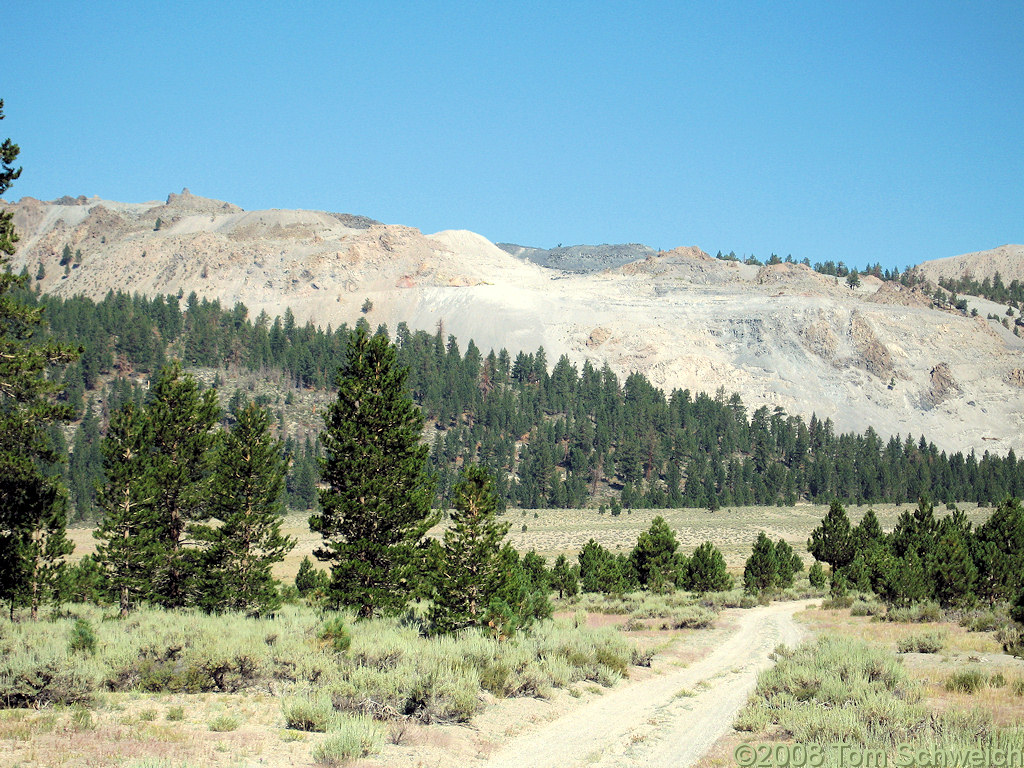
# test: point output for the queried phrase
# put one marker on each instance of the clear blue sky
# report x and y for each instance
(862, 131)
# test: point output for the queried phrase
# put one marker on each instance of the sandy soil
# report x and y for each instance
(667, 720)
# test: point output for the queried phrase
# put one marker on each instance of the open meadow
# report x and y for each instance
(552, 532)
(634, 675)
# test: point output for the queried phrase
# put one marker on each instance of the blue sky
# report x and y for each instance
(861, 132)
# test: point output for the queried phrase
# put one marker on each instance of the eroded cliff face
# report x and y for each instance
(780, 335)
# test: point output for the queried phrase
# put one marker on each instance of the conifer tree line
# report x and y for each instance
(656, 563)
(925, 557)
(993, 289)
(558, 436)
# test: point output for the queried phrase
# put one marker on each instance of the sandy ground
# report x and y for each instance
(667, 720)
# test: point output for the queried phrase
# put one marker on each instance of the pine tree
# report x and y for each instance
(565, 578)
(789, 562)
(470, 575)
(816, 575)
(655, 559)
(867, 533)
(1017, 611)
(832, 541)
(599, 571)
(999, 552)
(130, 534)
(246, 491)
(32, 502)
(953, 573)
(517, 602)
(309, 579)
(761, 572)
(536, 571)
(85, 467)
(706, 572)
(84, 582)
(181, 420)
(377, 507)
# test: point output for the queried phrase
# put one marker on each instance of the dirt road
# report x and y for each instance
(667, 721)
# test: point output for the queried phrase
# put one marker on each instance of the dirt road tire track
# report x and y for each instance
(649, 724)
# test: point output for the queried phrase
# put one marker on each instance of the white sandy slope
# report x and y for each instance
(780, 336)
(1007, 260)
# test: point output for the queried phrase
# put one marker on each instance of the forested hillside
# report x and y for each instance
(555, 436)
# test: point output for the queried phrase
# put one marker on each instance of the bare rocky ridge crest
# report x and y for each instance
(781, 335)
(1007, 260)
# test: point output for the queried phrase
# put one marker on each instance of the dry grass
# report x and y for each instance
(957, 640)
(120, 737)
(731, 529)
(962, 650)
(564, 531)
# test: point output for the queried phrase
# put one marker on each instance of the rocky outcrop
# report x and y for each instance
(873, 355)
(943, 385)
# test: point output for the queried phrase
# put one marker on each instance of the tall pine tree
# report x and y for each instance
(131, 547)
(33, 505)
(181, 420)
(706, 571)
(832, 541)
(656, 560)
(761, 573)
(471, 573)
(246, 493)
(377, 506)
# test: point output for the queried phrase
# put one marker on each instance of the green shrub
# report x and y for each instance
(838, 603)
(81, 719)
(927, 642)
(83, 638)
(308, 714)
(753, 718)
(918, 613)
(836, 689)
(1012, 640)
(1018, 687)
(335, 633)
(634, 624)
(966, 681)
(353, 736)
(176, 714)
(691, 617)
(867, 608)
(36, 670)
(223, 724)
(984, 621)
(389, 669)
(444, 694)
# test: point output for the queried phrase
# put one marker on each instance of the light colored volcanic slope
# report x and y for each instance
(1007, 260)
(781, 335)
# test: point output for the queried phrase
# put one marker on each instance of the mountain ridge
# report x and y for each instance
(877, 355)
